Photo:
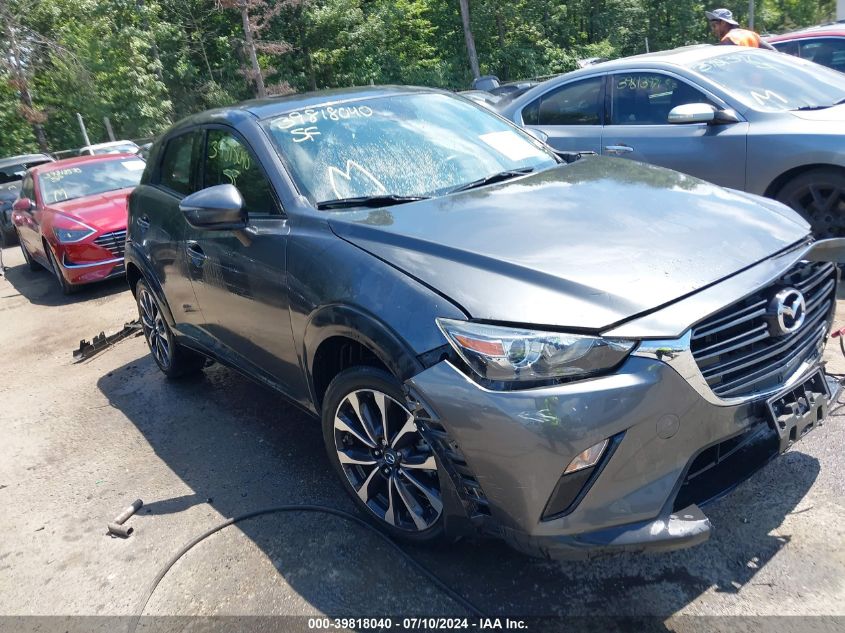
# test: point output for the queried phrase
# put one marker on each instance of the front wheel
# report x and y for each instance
(385, 464)
(172, 359)
(30, 262)
(67, 288)
(8, 236)
(819, 196)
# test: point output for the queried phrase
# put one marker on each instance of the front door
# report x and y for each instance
(638, 129)
(239, 276)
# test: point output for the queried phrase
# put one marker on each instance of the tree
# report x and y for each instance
(470, 40)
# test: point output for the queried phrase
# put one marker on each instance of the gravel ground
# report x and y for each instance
(80, 442)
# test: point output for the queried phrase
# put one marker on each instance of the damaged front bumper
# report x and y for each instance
(670, 450)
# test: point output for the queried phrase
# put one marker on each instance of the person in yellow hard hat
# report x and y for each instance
(727, 30)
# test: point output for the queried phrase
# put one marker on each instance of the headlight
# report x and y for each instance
(510, 354)
(68, 230)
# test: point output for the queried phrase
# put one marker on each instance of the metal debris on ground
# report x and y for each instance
(101, 341)
(117, 527)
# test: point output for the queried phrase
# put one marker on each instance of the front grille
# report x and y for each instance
(114, 242)
(735, 351)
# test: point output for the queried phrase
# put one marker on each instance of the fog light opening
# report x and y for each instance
(587, 459)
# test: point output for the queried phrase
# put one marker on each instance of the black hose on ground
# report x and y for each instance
(432, 578)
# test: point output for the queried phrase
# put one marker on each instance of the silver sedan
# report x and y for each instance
(749, 119)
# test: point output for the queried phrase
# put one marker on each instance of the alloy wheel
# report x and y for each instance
(387, 461)
(823, 205)
(155, 328)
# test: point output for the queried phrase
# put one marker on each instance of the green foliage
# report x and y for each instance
(16, 135)
(147, 63)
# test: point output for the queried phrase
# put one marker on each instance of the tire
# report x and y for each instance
(33, 265)
(819, 196)
(174, 360)
(8, 237)
(67, 288)
(394, 481)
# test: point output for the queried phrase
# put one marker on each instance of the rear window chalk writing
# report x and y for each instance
(646, 83)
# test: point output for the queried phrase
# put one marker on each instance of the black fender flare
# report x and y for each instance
(136, 258)
(362, 327)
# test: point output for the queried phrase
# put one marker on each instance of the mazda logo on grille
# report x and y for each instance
(787, 311)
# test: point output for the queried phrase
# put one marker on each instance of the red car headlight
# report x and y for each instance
(68, 230)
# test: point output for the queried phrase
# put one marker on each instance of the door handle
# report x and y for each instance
(618, 150)
(195, 254)
(143, 222)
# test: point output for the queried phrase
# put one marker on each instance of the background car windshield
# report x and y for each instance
(14, 173)
(116, 149)
(774, 83)
(87, 179)
(407, 145)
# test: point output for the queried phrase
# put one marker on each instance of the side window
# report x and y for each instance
(531, 113)
(228, 161)
(175, 172)
(827, 51)
(790, 47)
(578, 103)
(647, 98)
(28, 188)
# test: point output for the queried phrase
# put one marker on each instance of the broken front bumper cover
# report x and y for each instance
(677, 452)
(677, 530)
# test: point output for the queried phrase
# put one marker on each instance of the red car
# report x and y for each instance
(823, 44)
(71, 216)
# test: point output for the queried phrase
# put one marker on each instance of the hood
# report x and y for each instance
(835, 113)
(101, 211)
(579, 246)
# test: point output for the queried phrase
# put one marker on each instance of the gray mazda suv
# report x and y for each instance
(572, 357)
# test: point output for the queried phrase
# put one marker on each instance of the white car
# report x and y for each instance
(113, 147)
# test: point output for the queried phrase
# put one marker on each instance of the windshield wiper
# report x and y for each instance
(368, 201)
(497, 177)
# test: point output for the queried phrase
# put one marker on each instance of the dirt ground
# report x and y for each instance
(78, 442)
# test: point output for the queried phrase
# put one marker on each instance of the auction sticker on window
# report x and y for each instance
(510, 145)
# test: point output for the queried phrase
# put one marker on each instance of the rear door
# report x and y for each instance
(239, 277)
(571, 114)
(158, 226)
(29, 229)
(827, 51)
(638, 106)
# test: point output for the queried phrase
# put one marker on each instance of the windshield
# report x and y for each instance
(14, 173)
(408, 145)
(88, 179)
(771, 82)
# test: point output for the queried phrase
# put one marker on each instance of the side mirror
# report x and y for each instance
(23, 205)
(540, 135)
(220, 207)
(693, 113)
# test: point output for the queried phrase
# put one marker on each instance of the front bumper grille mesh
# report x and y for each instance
(737, 354)
(114, 242)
